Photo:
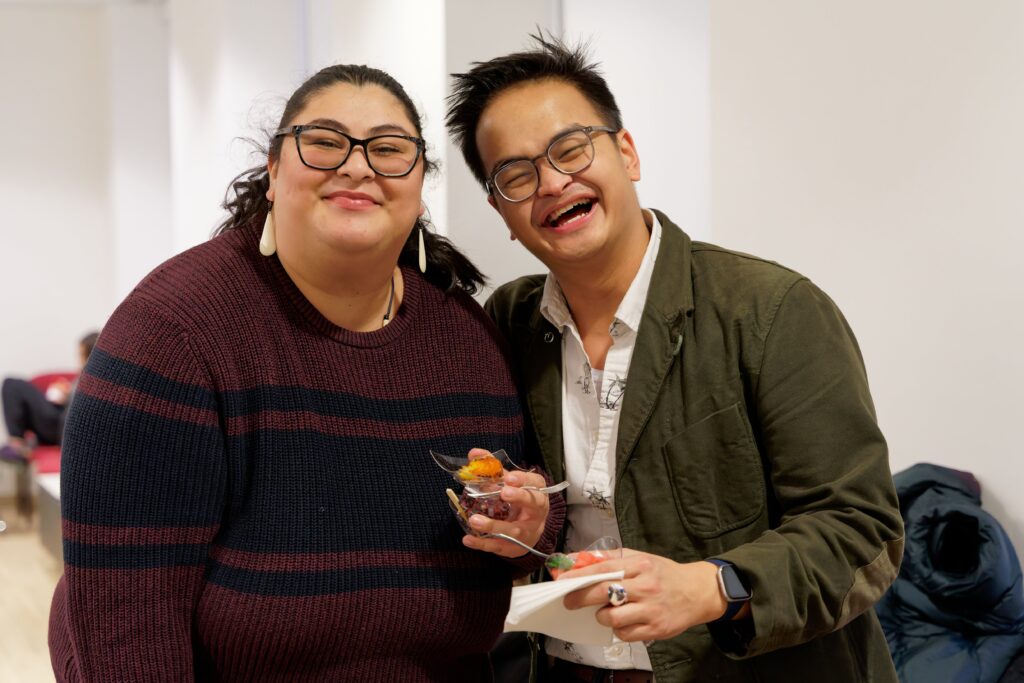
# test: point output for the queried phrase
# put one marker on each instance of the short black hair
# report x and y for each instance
(550, 60)
(88, 343)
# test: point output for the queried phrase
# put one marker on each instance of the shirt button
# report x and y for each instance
(615, 650)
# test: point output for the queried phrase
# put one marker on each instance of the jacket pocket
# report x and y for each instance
(716, 473)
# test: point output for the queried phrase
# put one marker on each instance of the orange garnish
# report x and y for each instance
(487, 467)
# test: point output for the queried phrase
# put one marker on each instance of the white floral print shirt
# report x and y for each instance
(591, 402)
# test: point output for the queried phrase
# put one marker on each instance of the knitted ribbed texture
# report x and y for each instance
(247, 489)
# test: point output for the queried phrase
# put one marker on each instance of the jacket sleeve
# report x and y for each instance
(838, 540)
(142, 493)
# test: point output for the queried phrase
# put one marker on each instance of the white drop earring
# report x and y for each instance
(268, 240)
(423, 252)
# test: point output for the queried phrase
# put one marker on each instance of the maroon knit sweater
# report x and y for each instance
(247, 489)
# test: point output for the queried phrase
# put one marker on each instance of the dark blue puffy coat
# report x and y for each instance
(956, 612)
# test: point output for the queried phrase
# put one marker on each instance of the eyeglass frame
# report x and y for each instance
(492, 187)
(296, 131)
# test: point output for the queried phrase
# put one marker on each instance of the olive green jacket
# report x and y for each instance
(747, 433)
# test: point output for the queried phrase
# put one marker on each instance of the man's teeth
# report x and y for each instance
(566, 209)
(574, 219)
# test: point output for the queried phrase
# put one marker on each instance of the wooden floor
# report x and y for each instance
(28, 574)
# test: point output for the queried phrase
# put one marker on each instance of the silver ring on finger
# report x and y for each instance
(617, 595)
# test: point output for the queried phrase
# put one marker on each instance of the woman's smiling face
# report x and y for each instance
(352, 208)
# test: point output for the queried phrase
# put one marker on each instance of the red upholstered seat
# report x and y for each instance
(46, 459)
(43, 382)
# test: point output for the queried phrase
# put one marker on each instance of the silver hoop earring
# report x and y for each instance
(268, 240)
(423, 253)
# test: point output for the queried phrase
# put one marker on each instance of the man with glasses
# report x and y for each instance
(710, 409)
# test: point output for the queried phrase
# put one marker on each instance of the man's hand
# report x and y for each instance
(665, 598)
(529, 514)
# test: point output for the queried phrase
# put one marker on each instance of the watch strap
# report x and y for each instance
(732, 607)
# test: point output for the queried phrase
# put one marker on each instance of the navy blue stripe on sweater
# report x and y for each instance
(298, 398)
(315, 491)
(285, 583)
(292, 584)
(333, 494)
(168, 462)
(118, 371)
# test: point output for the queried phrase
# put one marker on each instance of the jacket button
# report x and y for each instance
(549, 337)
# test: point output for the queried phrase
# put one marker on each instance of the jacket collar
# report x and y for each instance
(554, 307)
(671, 293)
(542, 378)
(659, 341)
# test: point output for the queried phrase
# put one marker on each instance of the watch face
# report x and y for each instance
(734, 588)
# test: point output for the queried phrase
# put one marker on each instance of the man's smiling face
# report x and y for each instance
(571, 218)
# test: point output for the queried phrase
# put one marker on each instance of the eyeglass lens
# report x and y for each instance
(569, 154)
(386, 154)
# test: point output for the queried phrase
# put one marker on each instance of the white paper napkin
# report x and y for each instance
(539, 608)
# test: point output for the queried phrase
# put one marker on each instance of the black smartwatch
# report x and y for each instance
(734, 590)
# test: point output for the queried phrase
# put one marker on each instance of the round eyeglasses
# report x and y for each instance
(569, 153)
(327, 149)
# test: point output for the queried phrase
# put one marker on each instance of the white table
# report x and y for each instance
(49, 513)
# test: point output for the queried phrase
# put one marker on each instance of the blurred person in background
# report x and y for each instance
(32, 412)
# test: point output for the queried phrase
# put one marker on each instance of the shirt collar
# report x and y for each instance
(555, 309)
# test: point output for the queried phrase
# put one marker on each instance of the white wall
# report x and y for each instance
(877, 147)
(232, 65)
(656, 61)
(482, 31)
(139, 131)
(57, 279)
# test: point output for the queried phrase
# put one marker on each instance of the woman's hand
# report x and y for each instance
(529, 514)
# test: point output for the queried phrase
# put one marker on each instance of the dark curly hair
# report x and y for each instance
(246, 196)
(551, 60)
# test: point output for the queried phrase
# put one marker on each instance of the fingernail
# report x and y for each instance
(477, 521)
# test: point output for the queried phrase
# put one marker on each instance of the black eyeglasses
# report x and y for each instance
(569, 153)
(327, 149)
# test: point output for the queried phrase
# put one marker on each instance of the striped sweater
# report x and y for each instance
(247, 490)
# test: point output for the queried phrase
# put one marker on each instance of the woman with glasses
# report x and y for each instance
(248, 492)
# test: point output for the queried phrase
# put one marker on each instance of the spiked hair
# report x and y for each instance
(550, 60)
